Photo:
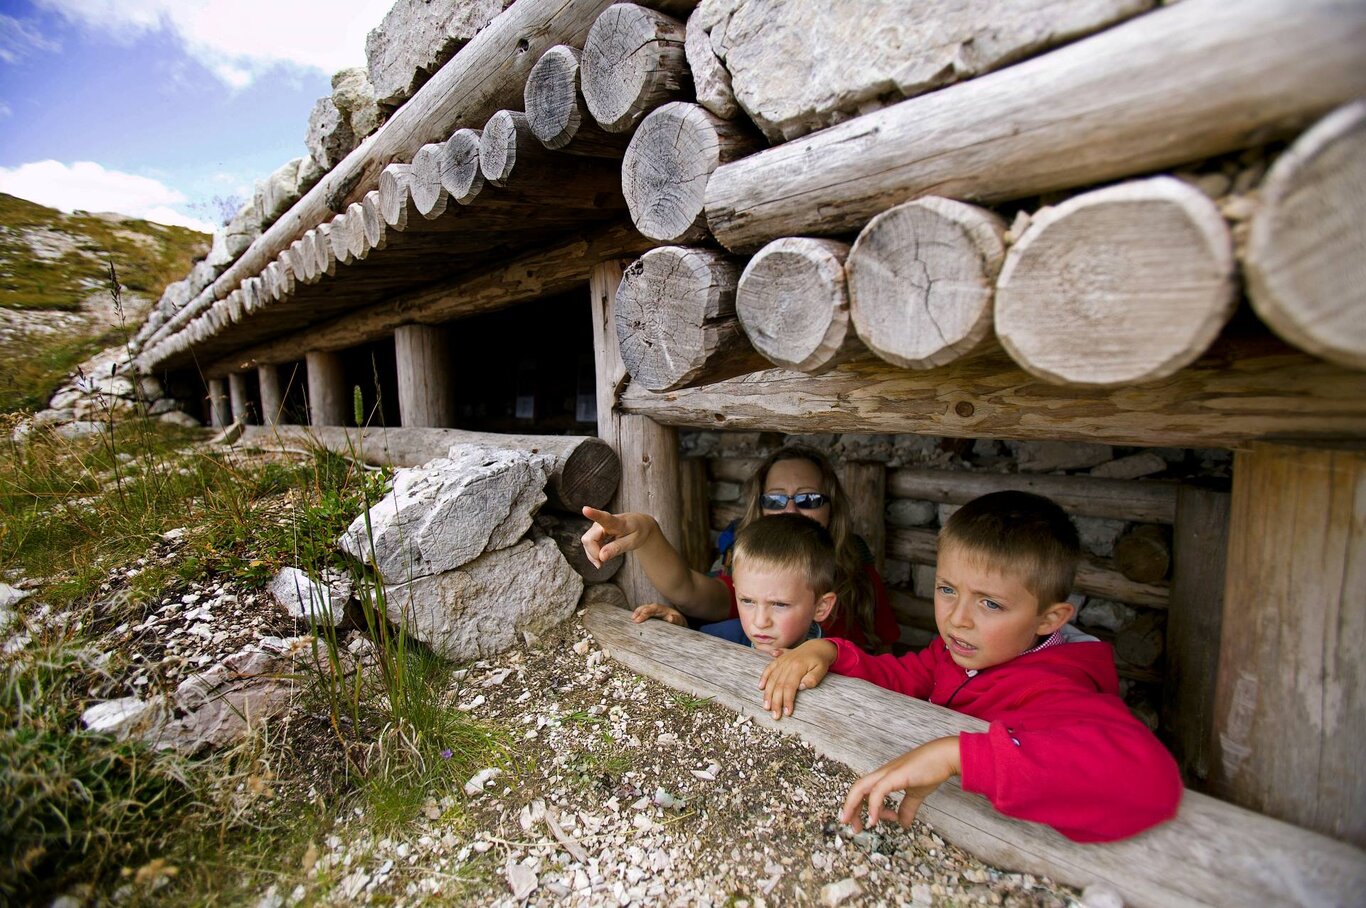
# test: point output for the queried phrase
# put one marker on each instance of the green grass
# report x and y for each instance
(28, 281)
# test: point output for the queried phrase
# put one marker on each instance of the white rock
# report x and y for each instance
(303, 597)
(1113, 616)
(1047, 456)
(475, 785)
(415, 38)
(521, 880)
(1099, 896)
(910, 512)
(834, 894)
(1145, 463)
(124, 717)
(1098, 534)
(9, 595)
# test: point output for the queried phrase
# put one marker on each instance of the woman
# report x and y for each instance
(794, 479)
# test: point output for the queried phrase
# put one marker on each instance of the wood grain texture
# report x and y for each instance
(675, 319)
(664, 173)
(507, 139)
(460, 171)
(793, 302)
(1243, 388)
(425, 184)
(272, 396)
(1212, 853)
(1118, 286)
(1290, 694)
(328, 401)
(1152, 92)
(922, 278)
(425, 393)
(239, 400)
(865, 486)
(632, 62)
(1306, 275)
(1086, 496)
(556, 112)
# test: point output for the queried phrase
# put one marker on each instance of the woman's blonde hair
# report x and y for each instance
(853, 589)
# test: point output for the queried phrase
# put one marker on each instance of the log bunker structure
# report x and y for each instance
(1005, 222)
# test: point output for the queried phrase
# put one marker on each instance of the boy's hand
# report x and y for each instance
(662, 612)
(794, 670)
(918, 773)
(614, 534)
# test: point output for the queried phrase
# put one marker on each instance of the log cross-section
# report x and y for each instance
(555, 110)
(1212, 853)
(633, 61)
(675, 319)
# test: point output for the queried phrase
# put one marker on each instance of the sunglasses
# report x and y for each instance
(807, 501)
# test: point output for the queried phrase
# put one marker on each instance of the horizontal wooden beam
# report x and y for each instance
(1244, 388)
(1149, 501)
(1212, 853)
(546, 272)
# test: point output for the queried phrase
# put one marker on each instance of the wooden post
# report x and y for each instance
(1193, 628)
(327, 398)
(424, 376)
(272, 399)
(1291, 691)
(648, 450)
(241, 401)
(696, 545)
(220, 411)
(865, 487)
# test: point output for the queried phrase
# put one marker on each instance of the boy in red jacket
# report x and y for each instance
(1062, 748)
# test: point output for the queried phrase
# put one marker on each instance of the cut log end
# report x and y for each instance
(632, 61)
(424, 181)
(551, 98)
(1305, 267)
(1122, 285)
(793, 304)
(922, 278)
(394, 196)
(460, 172)
(507, 137)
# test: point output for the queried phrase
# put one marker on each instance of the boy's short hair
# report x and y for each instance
(789, 542)
(1023, 532)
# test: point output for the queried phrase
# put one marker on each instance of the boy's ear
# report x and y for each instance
(824, 606)
(1054, 617)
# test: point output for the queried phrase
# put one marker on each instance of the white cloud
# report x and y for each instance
(239, 41)
(90, 187)
(4, 110)
(19, 38)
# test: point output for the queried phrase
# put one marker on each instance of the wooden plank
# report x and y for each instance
(1200, 544)
(425, 395)
(865, 488)
(1243, 388)
(1212, 853)
(1151, 501)
(695, 529)
(1158, 90)
(1291, 690)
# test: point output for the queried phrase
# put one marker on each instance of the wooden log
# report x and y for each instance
(675, 319)
(341, 241)
(425, 397)
(1087, 496)
(395, 196)
(220, 407)
(710, 77)
(326, 258)
(1193, 628)
(1212, 853)
(328, 401)
(547, 272)
(922, 278)
(1244, 388)
(1169, 97)
(507, 139)
(1305, 271)
(865, 487)
(648, 451)
(695, 529)
(1144, 553)
(586, 470)
(1290, 695)
(1095, 576)
(664, 173)
(556, 112)
(272, 397)
(632, 62)
(354, 231)
(1118, 286)
(301, 265)
(567, 531)
(372, 221)
(241, 402)
(793, 303)
(460, 172)
(425, 183)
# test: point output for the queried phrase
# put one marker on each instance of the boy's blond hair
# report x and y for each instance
(788, 542)
(1023, 533)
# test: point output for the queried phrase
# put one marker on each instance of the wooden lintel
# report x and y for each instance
(1213, 853)
(1244, 388)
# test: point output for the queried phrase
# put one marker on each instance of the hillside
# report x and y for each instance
(55, 304)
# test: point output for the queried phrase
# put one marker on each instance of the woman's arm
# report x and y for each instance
(692, 592)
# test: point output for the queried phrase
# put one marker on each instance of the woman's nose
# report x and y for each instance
(791, 506)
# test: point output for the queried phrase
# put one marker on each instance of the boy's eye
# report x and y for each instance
(992, 605)
(945, 589)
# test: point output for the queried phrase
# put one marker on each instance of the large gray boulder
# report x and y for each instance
(329, 137)
(277, 192)
(354, 96)
(416, 38)
(450, 511)
(489, 604)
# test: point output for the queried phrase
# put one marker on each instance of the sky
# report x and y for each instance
(158, 109)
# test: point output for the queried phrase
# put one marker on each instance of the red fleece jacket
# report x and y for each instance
(1062, 748)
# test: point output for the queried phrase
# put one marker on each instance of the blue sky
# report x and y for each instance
(154, 107)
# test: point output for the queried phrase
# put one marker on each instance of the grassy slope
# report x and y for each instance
(37, 363)
(28, 281)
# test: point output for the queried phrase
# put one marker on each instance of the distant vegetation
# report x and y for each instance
(54, 261)
(51, 260)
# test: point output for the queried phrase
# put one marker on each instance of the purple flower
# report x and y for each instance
(446, 754)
